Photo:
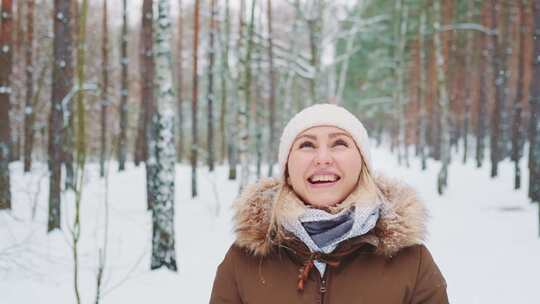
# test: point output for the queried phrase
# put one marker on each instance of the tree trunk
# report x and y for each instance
(210, 88)
(29, 114)
(400, 33)
(146, 69)
(180, 84)
(422, 91)
(194, 100)
(104, 90)
(224, 76)
(314, 25)
(484, 84)
(517, 124)
(500, 54)
(62, 82)
(245, 100)
(470, 64)
(6, 57)
(443, 102)
(534, 131)
(272, 99)
(163, 236)
(124, 92)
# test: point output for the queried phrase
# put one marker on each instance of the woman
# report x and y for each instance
(328, 231)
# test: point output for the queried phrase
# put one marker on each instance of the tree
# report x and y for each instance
(500, 19)
(80, 139)
(194, 100)
(272, 99)
(124, 91)
(180, 83)
(245, 100)
(443, 101)
(163, 242)
(534, 122)
(518, 137)
(6, 55)
(62, 82)
(147, 92)
(29, 114)
(210, 91)
(104, 89)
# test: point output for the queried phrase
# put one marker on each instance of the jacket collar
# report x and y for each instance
(402, 222)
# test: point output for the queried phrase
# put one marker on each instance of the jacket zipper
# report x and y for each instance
(322, 286)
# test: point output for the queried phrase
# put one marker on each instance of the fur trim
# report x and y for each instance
(402, 222)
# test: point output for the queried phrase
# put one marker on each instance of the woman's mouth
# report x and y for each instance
(323, 180)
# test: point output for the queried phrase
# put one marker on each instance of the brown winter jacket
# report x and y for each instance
(387, 265)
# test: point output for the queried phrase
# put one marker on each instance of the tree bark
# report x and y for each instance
(210, 88)
(517, 124)
(272, 99)
(194, 100)
(6, 57)
(62, 83)
(29, 114)
(534, 127)
(124, 91)
(163, 236)
(245, 100)
(180, 84)
(443, 102)
(500, 54)
(104, 89)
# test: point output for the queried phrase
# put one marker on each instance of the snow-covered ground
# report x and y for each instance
(483, 235)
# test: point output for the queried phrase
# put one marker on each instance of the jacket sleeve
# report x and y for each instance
(225, 289)
(430, 285)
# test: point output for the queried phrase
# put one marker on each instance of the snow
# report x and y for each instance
(483, 235)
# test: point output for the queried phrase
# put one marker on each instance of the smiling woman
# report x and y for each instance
(327, 230)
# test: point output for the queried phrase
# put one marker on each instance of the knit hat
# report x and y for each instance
(323, 115)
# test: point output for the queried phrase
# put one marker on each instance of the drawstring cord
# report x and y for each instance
(308, 266)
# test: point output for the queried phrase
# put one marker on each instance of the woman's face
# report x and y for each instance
(324, 166)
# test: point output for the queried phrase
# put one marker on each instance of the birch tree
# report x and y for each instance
(6, 55)
(180, 82)
(443, 101)
(163, 236)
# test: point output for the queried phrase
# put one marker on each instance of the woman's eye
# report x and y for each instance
(340, 142)
(306, 144)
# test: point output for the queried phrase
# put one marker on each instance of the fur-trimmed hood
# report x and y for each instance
(402, 222)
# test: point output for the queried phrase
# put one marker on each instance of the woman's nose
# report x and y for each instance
(323, 156)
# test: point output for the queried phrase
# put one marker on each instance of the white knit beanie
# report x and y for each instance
(323, 115)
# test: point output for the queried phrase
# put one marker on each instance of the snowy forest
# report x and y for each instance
(127, 128)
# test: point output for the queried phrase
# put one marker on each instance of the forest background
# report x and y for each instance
(209, 84)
